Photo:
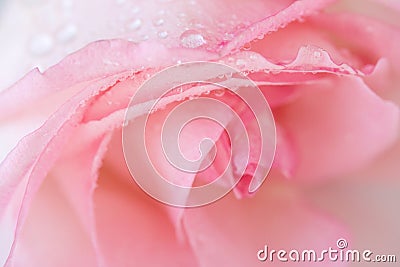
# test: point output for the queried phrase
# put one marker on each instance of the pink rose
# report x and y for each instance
(329, 72)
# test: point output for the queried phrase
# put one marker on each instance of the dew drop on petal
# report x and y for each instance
(192, 39)
(247, 46)
(241, 63)
(219, 92)
(67, 33)
(163, 34)
(228, 75)
(134, 24)
(41, 44)
(317, 54)
(158, 22)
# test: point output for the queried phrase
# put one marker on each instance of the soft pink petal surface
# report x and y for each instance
(331, 116)
(321, 114)
(232, 231)
(37, 37)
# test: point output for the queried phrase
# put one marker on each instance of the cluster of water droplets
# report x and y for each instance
(187, 27)
(141, 26)
(64, 32)
(192, 39)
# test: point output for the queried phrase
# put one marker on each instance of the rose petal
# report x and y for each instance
(372, 43)
(78, 179)
(140, 225)
(344, 123)
(43, 42)
(71, 181)
(276, 217)
(373, 189)
(52, 234)
(26, 166)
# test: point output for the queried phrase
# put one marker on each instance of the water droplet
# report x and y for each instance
(219, 92)
(192, 39)
(158, 22)
(163, 34)
(179, 62)
(241, 63)
(253, 57)
(247, 46)
(67, 33)
(275, 72)
(41, 44)
(135, 24)
(317, 54)
(228, 75)
(260, 37)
